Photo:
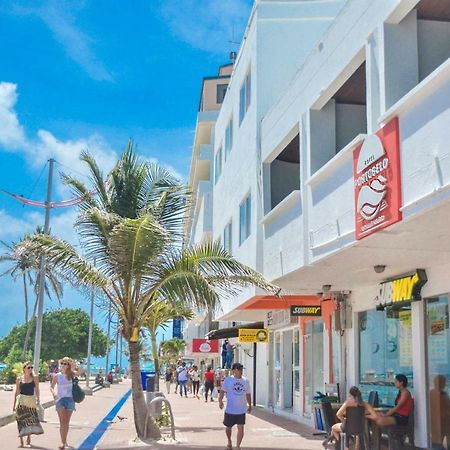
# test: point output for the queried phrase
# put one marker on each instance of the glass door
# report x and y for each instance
(277, 370)
(296, 369)
(438, 346)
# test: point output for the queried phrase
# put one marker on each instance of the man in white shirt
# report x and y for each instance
(182, 378)
(239, 402)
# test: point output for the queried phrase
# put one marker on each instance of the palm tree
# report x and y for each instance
(131, 224)
(160, 315)
(173, 349)
(26, 267)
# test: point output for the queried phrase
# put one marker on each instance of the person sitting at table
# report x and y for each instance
(398, 415)
(355, 399)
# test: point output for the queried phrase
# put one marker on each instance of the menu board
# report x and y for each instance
(438, 335)
(405, 338)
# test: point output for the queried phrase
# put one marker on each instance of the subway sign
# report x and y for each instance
(402, 290)
(306, 311)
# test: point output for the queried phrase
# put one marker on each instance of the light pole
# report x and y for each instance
(41, 293)
(109, 336)
(88, 390)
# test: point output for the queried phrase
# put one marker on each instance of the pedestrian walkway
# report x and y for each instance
(199, 426)
(89, 415)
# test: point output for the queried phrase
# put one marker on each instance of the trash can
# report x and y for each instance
(150, 382)
(144, 375)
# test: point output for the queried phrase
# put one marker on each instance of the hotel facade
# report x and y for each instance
(326, 167)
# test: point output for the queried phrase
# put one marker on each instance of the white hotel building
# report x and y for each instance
(327, 168)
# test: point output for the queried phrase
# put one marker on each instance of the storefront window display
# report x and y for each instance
(438, 348)
(385, 349)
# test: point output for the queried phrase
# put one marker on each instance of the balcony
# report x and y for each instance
(283, 242)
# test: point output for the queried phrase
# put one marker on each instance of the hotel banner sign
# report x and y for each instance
(306, 311)
(377, 185)
(254, 335)
(205, 346)
(402, 290)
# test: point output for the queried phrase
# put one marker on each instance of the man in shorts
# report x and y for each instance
(239, 402)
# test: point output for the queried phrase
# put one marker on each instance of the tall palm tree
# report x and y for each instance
(161, 313)
(173, 349)
(26, 267)
(131, 224)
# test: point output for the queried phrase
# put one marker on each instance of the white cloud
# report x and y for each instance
(207, 24)
(13, 228)
(11, 132)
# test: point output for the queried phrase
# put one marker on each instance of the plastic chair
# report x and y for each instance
(398, 433)
(373, 399)
(355, 425)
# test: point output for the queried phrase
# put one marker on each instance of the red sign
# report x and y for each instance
(376, 174)
(205, 346)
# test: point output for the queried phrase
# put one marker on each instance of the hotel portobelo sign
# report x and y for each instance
(402, 290)
(306, 311)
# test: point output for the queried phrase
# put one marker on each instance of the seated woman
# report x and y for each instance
(355, 399)
(398, 415)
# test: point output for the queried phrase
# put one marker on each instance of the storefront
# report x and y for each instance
(407, 331)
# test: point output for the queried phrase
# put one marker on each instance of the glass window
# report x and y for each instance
(385, 349)
(438, 346)
(241, 103)
(277, 397)
(336, 352)
(296, 360)
(245, 219)
(218, 165)
(227, 238)
(221, 91)
(228, 138)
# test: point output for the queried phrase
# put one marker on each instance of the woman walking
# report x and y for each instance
(65, 404)
(209, 382)
(195, 381)
(26, 400)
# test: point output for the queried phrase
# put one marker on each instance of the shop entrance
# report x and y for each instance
(313, 363)
(287, 369)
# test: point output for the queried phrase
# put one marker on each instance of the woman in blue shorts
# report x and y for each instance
(61, 389)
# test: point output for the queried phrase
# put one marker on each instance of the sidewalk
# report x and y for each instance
(199, 426)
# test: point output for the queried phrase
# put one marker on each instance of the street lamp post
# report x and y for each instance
(41, 292)
(107, 344)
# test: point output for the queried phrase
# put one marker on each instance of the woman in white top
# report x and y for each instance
(195, 381)
(65, 404)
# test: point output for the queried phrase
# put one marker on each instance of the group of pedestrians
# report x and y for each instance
(27, 405)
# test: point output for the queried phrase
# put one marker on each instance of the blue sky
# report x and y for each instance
(91, 74)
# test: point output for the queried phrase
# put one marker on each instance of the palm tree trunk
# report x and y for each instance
(139, 404)
(25, 291)
(29, 328)
(155, 358)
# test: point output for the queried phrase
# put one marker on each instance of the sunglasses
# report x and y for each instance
(64, 364)
(29, 367)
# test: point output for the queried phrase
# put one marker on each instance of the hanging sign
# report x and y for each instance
(205, 346)
(402, 290)
(253, 335)
(306, 310)
(377, 185)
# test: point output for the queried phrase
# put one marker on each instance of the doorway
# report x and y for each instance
(287, 369)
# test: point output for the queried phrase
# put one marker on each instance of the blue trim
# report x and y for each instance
(91, 441)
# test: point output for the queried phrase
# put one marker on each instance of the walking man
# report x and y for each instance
(182, 378)
(239, 402)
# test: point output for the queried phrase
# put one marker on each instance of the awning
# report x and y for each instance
(232, 331)
(257, 307)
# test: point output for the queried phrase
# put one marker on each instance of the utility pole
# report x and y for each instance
(109, 336)
(91, 320)
(41, 293)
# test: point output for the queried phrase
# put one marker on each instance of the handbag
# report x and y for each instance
(77, 393)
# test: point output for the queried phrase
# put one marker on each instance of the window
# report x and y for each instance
(221, 91)
(218, 165)
(228, 137)
(245, 219)
(245, 97)
(227, 238)
(385, 349)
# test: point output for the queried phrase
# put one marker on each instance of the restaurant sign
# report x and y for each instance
(205, 345)
(402, 290)
(253, 335)
(377, 186)
(306, 311)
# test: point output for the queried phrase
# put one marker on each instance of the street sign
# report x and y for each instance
(306, 310)
(254, 335)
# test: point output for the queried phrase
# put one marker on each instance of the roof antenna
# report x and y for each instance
(233, 54)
